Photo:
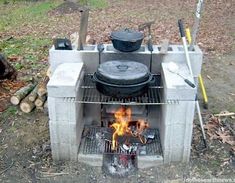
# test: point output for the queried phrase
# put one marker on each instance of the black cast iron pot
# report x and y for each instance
(123, 79)
(127, 40)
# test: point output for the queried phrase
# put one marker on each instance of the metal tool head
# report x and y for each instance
(173, 67)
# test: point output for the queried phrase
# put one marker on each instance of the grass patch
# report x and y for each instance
(9, 112)
(95, 3)
(30, 50)
(14, 15)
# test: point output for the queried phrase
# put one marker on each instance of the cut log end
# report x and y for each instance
(40, 101)
(14, 100)
(21, 93)
(42, 91)
(26, 107)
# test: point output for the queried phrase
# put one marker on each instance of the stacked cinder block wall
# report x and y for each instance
(66, 115)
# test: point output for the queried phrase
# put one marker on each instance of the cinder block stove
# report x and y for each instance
(80, 115)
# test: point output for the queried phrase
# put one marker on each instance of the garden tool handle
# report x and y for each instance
(189, 83)
(150, 45)
(181, 28)
(100, 47)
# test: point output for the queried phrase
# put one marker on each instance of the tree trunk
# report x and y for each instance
(21, 93)
(6, 70)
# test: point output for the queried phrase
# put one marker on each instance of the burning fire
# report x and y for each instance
(121, 126)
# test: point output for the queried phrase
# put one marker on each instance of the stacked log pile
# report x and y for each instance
(32, 96)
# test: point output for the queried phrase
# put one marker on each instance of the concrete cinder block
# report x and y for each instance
(65, 140)
(179, 155)
(178, 135)
(181, 113)
(175, 87)
(64, 80)
(64, 151)
(176, 130)
(65, 133)
(90, 55)
(176, 54)
(57, 57)
(62, 109)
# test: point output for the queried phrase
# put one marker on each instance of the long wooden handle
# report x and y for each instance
(83, 28)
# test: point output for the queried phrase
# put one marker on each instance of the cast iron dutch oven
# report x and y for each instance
(126, 40)
(122, 79)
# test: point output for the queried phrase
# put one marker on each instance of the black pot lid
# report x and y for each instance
(127, 35)
(122, 72)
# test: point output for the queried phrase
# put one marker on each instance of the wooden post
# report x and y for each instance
(83, 28)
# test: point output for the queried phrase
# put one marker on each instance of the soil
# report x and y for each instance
(66, 8)
(24, 138)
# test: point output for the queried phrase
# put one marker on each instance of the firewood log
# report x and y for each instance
(20, 94)
(42, 86)
(26, 105)
(40, 100)
(33, 94)
(40, 108)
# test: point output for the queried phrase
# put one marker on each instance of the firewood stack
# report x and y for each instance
(32, 96)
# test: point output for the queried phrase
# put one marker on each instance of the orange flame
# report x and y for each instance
(121, 125)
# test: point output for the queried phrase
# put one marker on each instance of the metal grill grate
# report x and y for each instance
(97, 140)
(153, 96)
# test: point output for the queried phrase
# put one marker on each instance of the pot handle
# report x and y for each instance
(92, 78)
(152, 81)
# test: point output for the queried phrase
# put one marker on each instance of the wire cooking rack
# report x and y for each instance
(89, 94)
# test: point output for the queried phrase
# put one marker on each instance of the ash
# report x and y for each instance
(119, 165)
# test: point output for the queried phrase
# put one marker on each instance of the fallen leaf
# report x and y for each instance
(226, 138)
(0, 130)
(209, 77)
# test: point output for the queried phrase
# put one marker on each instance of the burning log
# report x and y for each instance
(42, 86)
(6, 70)
(20, 94)
(122, 126)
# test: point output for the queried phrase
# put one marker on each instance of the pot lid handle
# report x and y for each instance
(127, 30)
(122, 67)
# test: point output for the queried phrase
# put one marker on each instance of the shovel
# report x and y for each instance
(182, 33)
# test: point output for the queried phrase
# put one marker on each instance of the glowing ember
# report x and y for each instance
(121, 126)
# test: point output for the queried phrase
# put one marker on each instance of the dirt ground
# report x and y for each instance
(25, 154)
